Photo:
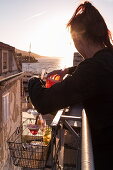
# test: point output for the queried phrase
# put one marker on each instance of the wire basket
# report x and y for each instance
(28, 150)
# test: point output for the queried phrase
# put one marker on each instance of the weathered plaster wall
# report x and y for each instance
(14, 64)
(13, 121)
(0, 110)
(0, 61)
(10, 60)
(15, 107)
(1, 131)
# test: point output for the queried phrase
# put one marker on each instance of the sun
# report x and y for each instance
(52, 39)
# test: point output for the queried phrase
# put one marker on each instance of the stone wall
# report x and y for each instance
(0, 61)
(12, 122)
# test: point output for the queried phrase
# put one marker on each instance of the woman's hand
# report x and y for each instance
(61, 73)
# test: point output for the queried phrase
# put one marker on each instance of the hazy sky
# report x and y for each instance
(43, 24)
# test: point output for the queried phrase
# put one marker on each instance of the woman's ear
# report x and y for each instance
(74, 35)
(77, 38)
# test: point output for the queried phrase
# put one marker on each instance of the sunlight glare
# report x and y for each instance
(51, 38)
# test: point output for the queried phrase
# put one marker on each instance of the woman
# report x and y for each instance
(90, 84)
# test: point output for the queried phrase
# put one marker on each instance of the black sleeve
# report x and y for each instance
(69, 92)
(71, 70)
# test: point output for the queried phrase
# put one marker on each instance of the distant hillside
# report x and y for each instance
(25, 53)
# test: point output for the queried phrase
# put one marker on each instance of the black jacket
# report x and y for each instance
(91, 84)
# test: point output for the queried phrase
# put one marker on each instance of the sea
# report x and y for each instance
(47, 63)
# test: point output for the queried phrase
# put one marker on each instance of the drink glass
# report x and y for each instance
(33, 129)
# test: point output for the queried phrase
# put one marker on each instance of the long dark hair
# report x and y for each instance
(89, 22)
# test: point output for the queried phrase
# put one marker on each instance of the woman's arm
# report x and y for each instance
(72, 90)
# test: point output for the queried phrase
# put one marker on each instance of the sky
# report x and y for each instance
(42, 23)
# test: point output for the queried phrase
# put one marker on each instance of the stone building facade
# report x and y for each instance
(10, 102)
(8, 65)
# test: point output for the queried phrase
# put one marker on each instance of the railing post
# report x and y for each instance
(61, 149)
(87, 162)
(55, 131)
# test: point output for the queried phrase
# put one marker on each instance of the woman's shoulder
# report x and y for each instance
(106, 52)
(89, 65)
(101, 59)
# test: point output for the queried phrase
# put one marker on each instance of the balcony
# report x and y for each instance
(69, 148)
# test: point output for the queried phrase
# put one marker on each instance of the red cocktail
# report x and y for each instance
(53, 79)
(33, 128)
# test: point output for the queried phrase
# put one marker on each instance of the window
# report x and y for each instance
(5, 106)
(4, 61)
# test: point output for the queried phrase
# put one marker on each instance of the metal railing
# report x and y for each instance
(87, 162)
(84, 144)
(59, 125)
